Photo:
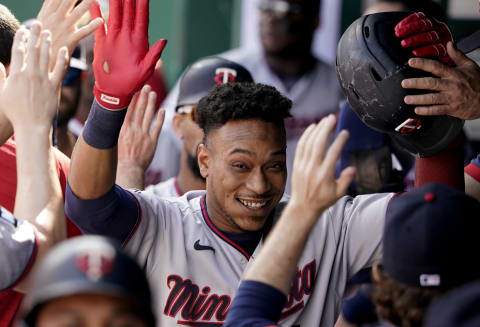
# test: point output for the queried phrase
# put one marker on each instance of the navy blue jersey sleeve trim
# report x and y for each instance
(114, 214)
(257, 305)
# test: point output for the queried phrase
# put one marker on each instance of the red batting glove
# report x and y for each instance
(122, 59)
(428, 36)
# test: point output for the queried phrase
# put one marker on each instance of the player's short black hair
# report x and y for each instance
(8, 27)
(239, 101)
(428, 7)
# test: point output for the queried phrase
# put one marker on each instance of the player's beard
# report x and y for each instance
(192, 162)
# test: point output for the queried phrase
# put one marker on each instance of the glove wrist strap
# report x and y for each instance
(109, 101)
(103, 127)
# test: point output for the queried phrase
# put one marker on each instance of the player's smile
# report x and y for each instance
(254, 204)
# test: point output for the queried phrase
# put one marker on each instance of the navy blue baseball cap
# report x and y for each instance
(431, 238)
(361, 138)
(204, 74)
(459, 308)
(88, 265)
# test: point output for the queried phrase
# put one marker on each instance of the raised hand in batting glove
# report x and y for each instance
(426, 36)
(123, 61)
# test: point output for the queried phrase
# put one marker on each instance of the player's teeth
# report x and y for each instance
(253, 205)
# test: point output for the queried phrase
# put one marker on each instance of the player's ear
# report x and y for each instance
(177, 125)
(203, 156)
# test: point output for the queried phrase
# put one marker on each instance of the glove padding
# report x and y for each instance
(123, 61)
(426, 35)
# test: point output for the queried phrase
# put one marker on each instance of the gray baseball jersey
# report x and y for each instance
(166, 189)
(17, 248)
(195, 269)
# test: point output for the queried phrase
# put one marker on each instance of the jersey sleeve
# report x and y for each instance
(115, 214)
(17, 249)
(360, 223)
(152, 222)
(256, 305)
(473, 169)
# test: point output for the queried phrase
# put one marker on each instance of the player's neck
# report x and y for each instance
(290, 66)
(186, 179)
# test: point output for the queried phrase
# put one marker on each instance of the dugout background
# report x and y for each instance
(197, 28)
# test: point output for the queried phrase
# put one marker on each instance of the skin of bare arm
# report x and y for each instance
(29, 84)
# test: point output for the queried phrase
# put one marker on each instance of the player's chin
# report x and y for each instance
(253, 218)
(251, 223)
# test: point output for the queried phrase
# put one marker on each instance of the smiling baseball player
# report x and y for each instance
(196, 248)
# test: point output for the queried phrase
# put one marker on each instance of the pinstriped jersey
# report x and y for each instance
(194, 269)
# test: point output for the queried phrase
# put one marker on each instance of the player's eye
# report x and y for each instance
(239, 166)
(278, 166)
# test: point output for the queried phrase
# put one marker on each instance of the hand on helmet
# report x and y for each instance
(426, 36)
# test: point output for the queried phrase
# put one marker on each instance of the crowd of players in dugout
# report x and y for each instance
(219, 243)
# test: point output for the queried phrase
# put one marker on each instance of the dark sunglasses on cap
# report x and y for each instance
(189, 110)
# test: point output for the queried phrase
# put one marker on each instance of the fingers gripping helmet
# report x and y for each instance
(371, 65)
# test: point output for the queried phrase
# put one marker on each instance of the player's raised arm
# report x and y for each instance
(122, 63)
(314, 189)
(29, 100)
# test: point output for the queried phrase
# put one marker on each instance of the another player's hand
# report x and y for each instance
(314, 187)
(427, 37)
(29, 96)
(457, 88)
(138, 138)
(61, 17)
(123, 61)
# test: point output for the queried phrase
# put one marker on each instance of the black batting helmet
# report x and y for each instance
(371, 65)
(88, 265)
(204, 74)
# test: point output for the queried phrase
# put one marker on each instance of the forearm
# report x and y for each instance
(129, 176)
(277, 261)
(39, 196)
(94, 158)
(445, 168)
